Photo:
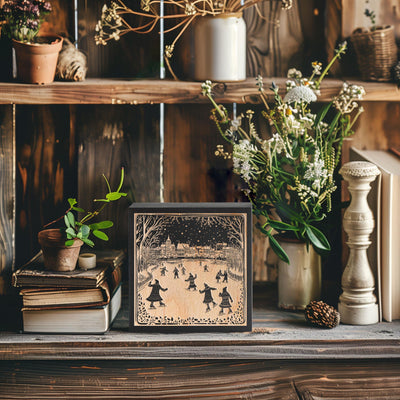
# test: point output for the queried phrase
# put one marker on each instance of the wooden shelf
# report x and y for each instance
(276, 335)
(115, 91)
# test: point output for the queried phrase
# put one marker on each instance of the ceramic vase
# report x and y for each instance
(37, 62)
(57, 256)
(300, 281)
(219, 48)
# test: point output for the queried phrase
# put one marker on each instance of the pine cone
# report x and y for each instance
(322, 314)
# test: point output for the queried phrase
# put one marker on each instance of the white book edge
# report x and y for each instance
(73, 320)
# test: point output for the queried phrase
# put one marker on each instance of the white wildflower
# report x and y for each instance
(345, 101)
(300, 94)
(206, 88)
(294, 73)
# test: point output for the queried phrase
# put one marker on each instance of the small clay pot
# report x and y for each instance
(37, 62)
(57, 256)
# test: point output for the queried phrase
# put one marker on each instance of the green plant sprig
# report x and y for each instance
(79, 229)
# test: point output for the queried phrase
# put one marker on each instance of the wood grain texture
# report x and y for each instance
(45, 172)
(133, 55)
(233, 379)
(276, 335)
(7, 198)
(192, 172)
(109, 138)
(134, 92)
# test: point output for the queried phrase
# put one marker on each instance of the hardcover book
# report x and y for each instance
(33, 274)
(45, 298)
(73, 320)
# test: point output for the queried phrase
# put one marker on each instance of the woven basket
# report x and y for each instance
(376, 52)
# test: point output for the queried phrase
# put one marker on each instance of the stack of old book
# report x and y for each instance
(79, 301)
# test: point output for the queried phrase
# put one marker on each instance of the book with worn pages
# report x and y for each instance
(72, 320)
(33, 274)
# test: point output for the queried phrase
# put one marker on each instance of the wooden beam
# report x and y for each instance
(7, 195)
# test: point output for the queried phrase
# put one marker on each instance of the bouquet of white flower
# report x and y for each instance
(290, 174)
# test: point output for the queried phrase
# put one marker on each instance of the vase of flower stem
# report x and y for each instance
(219, 48)
(300, 281)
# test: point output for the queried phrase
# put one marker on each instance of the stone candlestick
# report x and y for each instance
(357, 303)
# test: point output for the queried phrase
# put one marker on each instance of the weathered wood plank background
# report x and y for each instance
(200, 379)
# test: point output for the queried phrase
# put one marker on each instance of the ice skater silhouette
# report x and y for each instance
(218, 276)
(163, 271)
(208, 296)
(176, 273)
(225, 275)
(190, 279)
(205, 268)
(155, 293)
(225, 302)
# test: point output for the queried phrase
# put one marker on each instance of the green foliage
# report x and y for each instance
(75, 229)
(289, 174)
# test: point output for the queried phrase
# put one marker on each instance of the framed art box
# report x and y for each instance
(190, 267)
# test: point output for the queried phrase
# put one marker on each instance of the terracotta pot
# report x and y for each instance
(57, 256)
(300, 281)
(37, 62)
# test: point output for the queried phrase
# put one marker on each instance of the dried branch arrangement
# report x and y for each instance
(113, 23)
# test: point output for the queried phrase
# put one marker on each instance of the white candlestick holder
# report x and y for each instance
(357, 303)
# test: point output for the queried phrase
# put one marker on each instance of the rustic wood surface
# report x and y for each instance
(276, 335)
(118, 91)
(7, 198)
(199, 379)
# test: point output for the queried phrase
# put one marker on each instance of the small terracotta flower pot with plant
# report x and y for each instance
(61, 246)
(36, 56)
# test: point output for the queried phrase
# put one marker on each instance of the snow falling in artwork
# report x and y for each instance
(190, 269)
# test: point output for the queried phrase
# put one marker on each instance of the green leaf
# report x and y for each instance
(101, 225)
(72, 202)
(101, 235)
(71, 219)
(88, 242)
(317, 238)
(322, 113)
(70, 232)
(113, 196)
(282, 226)
(69, 243)
(276, 247)
(85, 230)
(78, 209)
(66, 221)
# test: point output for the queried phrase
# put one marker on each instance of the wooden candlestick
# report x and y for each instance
(357, 303)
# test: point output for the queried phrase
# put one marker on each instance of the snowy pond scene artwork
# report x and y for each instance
(190, 269)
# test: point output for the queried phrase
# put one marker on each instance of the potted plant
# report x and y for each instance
(290, 174)
(61, 247)
(36, 56)
(219, 31)
(376, 50)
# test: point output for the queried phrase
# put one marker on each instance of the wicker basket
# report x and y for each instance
(376, 52)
